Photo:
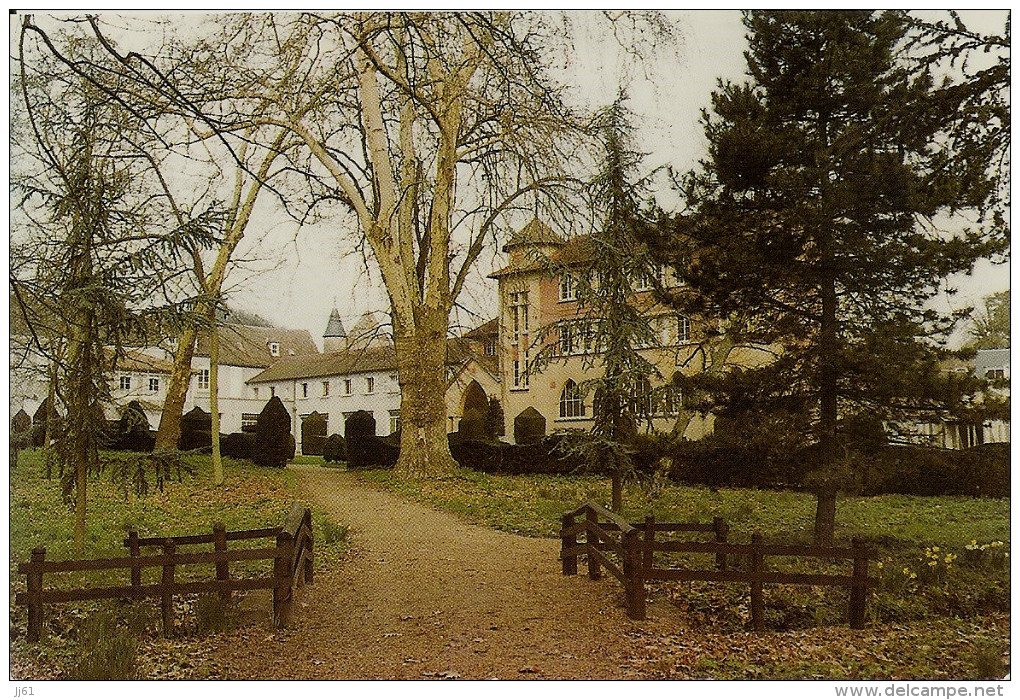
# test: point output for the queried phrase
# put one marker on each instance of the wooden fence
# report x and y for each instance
(635, 544)
(292, 558)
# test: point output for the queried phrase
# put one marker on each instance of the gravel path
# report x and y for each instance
(423, 594)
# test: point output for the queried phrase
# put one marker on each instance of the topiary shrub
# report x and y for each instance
(273, 444)
(196, 430)
(238, 445)
(21, 431)
(334, 449)
(926, 471)
(529, 426)
(133, 431)
(364, 449)
(473, 426)
(40, 418)
(313, 434)
(494, 419)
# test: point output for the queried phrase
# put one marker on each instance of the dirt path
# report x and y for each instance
(424, 594)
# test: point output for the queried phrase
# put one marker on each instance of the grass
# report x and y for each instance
(960, 606)
(252, 497)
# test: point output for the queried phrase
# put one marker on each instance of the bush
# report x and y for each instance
(529, 427)
(42, 416)
(473, 426)
(274, 444)
(364, 449)
(313, 434)
(238, 445)
(494, 419)
(926, 471)
(503, 458)
(334, 449)
(196, 430)
(133, 433)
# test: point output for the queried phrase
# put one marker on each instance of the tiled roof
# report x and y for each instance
(248, 346)
(489, 328)
(575, 250)
(329, 364)
(536, 232)
(138, 361)
(994, 358)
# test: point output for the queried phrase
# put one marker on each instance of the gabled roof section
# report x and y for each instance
(536, 232)
(138, 361)
(486, 330)
(329, 364)
(249, 346)
(334, 327)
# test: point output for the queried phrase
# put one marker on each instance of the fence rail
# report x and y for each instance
(292, 557)
(635, 544)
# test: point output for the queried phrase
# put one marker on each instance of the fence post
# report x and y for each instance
(722, 531)
(757, 594)
(858, 586)
(167, 602)
(310, 559)
(648, 561)
(632, 573)
(134, 550)
(284, 576)
(592, 541)
(568, 542)
(35, 578)
(219, 532)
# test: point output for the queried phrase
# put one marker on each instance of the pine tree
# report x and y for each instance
(990, 327)
(808, 220)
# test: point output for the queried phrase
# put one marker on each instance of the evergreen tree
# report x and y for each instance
(808, 220)
(612, 327)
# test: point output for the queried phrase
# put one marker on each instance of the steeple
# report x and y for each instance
(334, 337)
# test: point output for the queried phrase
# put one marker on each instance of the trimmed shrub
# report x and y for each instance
(473, 425)
(364, 449)
(133, 432)
(273, 441)
(925, 471)
(313, 434)
(494, 419)
(196, 430)
(21, 431)
(334, 449)
(502, 458)
(238, 445)
(42, 415)
(529, 427)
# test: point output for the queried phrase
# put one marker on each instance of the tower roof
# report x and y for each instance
(537, 232)
(334, 327)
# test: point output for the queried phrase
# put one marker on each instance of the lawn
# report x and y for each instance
(252, 497)
(940, 609)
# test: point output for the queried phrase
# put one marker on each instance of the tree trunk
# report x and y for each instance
(177, 392)
(214, 399)
(421, 360)
(617, 492)
(825, 518)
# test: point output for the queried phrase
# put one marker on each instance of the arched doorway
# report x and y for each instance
(474, 397)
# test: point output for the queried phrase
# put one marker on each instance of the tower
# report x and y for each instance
(334, 337)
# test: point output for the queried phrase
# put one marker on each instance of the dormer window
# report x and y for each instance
(274, 349)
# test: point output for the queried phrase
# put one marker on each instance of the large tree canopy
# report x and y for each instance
(811, 220)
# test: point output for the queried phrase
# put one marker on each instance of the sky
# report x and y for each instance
(295, 276)
(319, 272)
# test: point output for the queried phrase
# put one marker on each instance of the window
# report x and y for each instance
(369, 385)
(203, 379)
(248, 422)
(641, 397)
(394, 420)
(568, 338)
(394, 384)
(998, 373)
(490, 348)
(274, 349)
(683, 332)
(568, 288)
(347, 387)
(519, 314)
(125, 382)
(304, 390)
(325, 388)
(571, 403)
(153, 385)
(520, 375)
(647, 278)
(272, 391)
(255, 391)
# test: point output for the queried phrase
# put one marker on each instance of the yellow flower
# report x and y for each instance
(934, 549)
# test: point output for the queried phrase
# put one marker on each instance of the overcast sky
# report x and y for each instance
(298, 275)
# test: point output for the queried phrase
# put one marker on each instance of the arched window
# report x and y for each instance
(571, 402)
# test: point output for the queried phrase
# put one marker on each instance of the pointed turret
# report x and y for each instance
(334, 337)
